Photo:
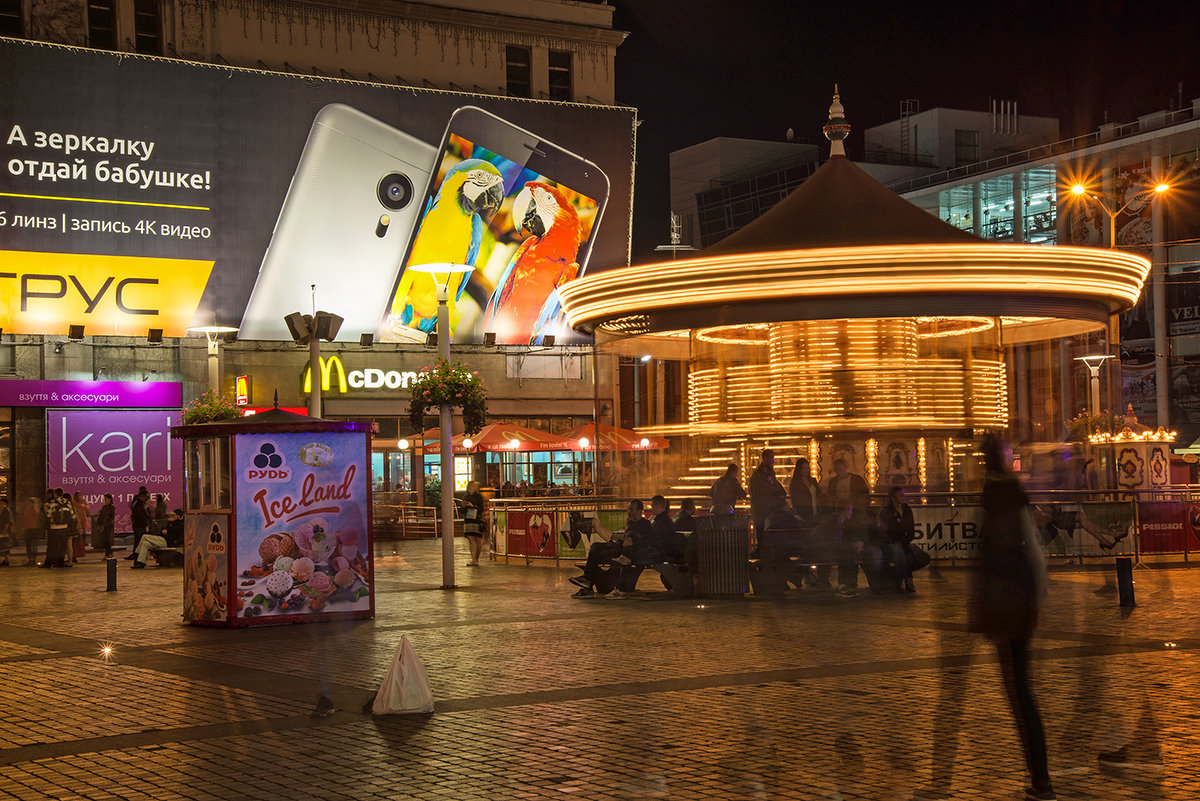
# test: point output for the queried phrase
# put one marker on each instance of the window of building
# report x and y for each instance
(101, 20)
(10, 18)
(966, 147)
(517, 69)
(147, 27)
(560, 75)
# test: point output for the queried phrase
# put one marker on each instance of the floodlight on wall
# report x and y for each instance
(154, 336)
(58, 347)
(548, 340)
(366, 340)
(75, 333)
(489, 338)
(432, 339)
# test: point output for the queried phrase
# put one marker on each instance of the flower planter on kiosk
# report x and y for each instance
(278, 524)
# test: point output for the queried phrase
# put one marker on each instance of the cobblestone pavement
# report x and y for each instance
(543, 697)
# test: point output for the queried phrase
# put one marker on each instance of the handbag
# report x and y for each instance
(919, 557)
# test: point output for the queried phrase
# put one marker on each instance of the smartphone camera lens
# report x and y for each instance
(395, 191)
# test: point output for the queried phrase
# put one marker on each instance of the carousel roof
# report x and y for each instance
(842, 245)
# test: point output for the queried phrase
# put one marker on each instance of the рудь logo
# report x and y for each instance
(268, 465)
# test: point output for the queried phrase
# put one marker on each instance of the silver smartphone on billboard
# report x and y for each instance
(518, 209)
(344, 225)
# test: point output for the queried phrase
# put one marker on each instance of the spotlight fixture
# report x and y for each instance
(366, 340)
(75, 333)
(548, 340)
(431, 340)
(154, 336)
(489, 338)
(58, 347)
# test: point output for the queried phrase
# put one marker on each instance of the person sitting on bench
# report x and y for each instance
(636, 545)
(171, 537)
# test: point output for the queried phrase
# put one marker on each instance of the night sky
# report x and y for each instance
(705, 68)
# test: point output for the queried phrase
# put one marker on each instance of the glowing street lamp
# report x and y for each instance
(214, 333)
(1093, 365)
(441, 273)
(1112, 210)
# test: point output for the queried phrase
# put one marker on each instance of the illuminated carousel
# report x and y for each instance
(848, 323)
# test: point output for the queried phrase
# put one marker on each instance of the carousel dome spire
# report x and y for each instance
(837, 128)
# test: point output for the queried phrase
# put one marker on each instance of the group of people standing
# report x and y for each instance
(65, 522)
(829, 526)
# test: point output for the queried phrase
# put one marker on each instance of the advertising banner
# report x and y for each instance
(206, 568)
(1168, 526)
(114, 451)
(946, 532)
(142, 193)
(516, 533)
(302, 502)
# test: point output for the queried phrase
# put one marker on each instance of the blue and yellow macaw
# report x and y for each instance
(451, 230)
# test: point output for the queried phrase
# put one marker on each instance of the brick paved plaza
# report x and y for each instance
(544, 697)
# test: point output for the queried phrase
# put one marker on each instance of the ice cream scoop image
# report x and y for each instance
(348, 542)
(302, 569)
(320, 582)
(315, 540)
(279, 583)
(284, 563)
(268, 549)
(287, 546)
(210, 565)
(344, 578)
(339, 564)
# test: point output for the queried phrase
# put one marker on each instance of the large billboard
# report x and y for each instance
(140, 193)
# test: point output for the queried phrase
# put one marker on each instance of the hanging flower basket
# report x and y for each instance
(1084, 424)
(448, 384)
(210, 407)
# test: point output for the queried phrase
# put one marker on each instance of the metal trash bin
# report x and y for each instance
(722, 554)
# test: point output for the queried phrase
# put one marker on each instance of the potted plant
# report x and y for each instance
(450, 384)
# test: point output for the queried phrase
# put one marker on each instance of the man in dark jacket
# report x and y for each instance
(766, 493)
(637, 544)
(726, 491)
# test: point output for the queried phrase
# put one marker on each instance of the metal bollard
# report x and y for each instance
(1125, 580)
(111, 567)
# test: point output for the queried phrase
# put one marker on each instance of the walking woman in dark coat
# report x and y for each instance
(1008, 591)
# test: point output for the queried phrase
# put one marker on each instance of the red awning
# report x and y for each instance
(611, 439)
(496, 438)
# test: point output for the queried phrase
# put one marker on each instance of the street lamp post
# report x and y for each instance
(1093, 365)
(441, 273)
(213, 334)
(310, 329)
(1157, 287)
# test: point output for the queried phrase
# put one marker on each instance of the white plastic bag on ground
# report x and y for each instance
(405, 689)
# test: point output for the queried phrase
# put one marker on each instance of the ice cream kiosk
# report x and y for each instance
(277, 525)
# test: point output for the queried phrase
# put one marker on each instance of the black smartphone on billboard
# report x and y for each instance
(520, 210)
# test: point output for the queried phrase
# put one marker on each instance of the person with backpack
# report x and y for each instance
(59, 522)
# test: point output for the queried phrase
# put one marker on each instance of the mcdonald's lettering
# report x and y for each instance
(370, 378)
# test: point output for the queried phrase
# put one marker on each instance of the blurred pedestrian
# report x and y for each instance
(105, 522)
(140, 518)
(1006, 597)
(33, 524)
(805, 494)
(6, 531)
(766, 493)
(474, 524)
(726, 491)
(83, 521)
(847, 487)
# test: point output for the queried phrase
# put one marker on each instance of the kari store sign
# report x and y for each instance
(117, 452)
(302, 503)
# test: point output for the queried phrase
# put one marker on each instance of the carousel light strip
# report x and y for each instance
(1111, 276)
(1128, 435)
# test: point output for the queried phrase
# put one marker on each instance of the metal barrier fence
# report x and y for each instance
(1077, 525)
